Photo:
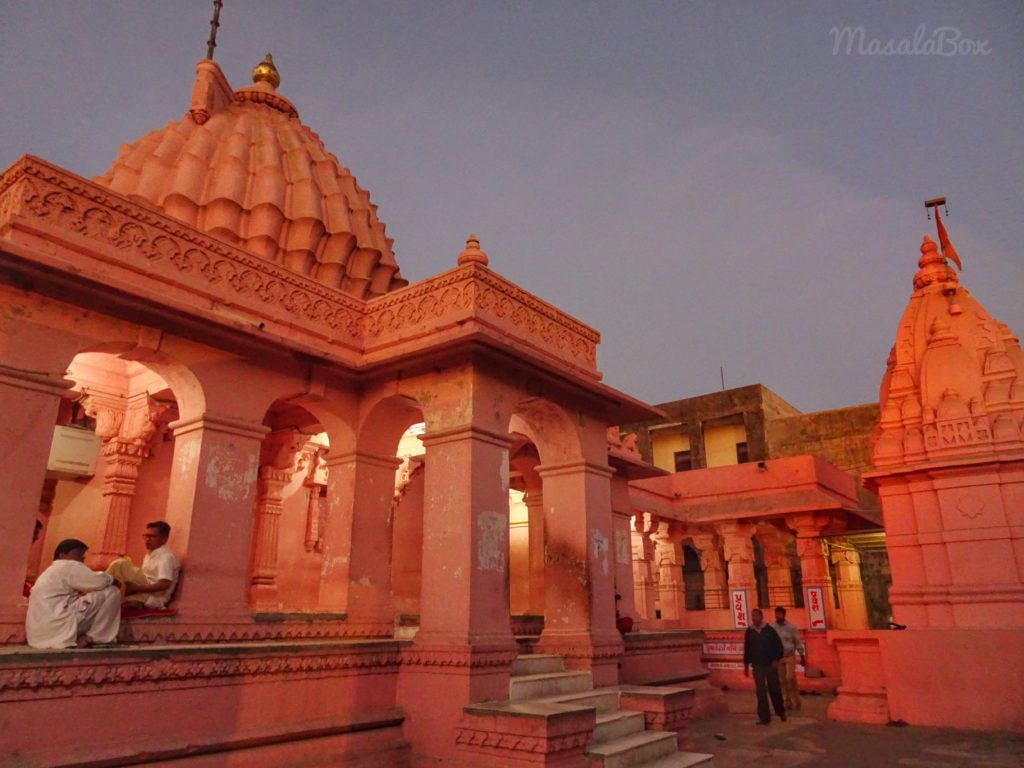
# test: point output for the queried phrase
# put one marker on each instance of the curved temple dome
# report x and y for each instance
(241, 166)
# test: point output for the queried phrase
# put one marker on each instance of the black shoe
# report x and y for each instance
(782, 717)
(763, 722)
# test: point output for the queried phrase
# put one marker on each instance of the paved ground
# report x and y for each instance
(810, 740)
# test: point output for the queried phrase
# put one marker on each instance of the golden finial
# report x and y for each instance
(266, 72)
(473, 254)
(214, 23)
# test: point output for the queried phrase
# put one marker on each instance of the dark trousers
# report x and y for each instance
(766, 683)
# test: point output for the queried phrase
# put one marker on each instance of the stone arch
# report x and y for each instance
(389, 422)
(550, 428)
(384, 421)
(289, 511)
(125, 395)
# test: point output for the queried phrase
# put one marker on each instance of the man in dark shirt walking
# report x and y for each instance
(762, 650)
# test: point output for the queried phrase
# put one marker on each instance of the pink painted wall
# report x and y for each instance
(961, 678)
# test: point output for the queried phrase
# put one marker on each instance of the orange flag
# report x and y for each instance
(947, 247)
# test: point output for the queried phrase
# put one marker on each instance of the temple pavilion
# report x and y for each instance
(409, 525)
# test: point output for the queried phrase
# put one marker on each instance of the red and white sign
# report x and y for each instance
(740, 609)
(723, 649)
(815, 608)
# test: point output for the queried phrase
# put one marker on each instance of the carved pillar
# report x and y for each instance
(644, 578)
(463, 651)
(209, 508)
(28, 411)
(739, 555)
(579, 612)
(808, 528)
(738, 551)
(813, 565)
(356, 574)
(126, 428)
(668, 552)
(276, 470)
(534, 501)
(776, 560)
(312, 462)
(852, 603)
(716, 596)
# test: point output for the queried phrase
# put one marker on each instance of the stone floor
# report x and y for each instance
(810, 740)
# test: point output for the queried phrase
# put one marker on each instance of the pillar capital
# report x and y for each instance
(365, 458)
(669, 531)
(466, 432)
(809, 525)
(572, 467)
(225, 424)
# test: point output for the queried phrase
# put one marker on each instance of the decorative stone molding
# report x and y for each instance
(174, 264)
(458, 657)
(482, 737)
(46, 675)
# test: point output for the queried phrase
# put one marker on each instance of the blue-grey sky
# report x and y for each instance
(707, 184)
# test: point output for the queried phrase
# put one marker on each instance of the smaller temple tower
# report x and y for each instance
(948, 459)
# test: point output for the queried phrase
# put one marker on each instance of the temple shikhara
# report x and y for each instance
(414, 526)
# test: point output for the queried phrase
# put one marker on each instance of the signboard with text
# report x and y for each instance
(740, 609)
(723, 649)
(815, 603)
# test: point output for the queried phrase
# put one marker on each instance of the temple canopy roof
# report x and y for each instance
(753, 491)
(242, 166)
(954, 383)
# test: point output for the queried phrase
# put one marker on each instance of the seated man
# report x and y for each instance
(153, 584)
(72, 605)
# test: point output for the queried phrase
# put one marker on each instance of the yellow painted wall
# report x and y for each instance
(664, 446)
(720, 444)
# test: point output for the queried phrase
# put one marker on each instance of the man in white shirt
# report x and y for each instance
(153, 584)
(72, 605)
(792, 645)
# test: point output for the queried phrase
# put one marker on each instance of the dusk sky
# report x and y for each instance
(706, 184)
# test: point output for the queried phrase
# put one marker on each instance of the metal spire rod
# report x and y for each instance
(214, 23)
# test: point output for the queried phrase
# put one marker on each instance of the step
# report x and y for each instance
(635, 749)
(548, 684)
(612, 725)
(604, 700)
(537, 664)
(683, 760)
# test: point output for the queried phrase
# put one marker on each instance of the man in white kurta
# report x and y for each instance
(153, 584)
(71, 604)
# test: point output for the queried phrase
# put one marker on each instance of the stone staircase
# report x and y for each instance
(615, 727)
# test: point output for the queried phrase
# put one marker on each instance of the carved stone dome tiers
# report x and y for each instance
(240, 165)
(954, 384)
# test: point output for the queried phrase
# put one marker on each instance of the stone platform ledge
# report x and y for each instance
(387, 722)
(30, 674)
(525, 732)
(10, 654)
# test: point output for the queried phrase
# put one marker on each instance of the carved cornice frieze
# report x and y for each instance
(484, 739)
(458, 657)
(145, 241)
(173, 631)
(478, 292)
(163, 257)
(54, 676)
